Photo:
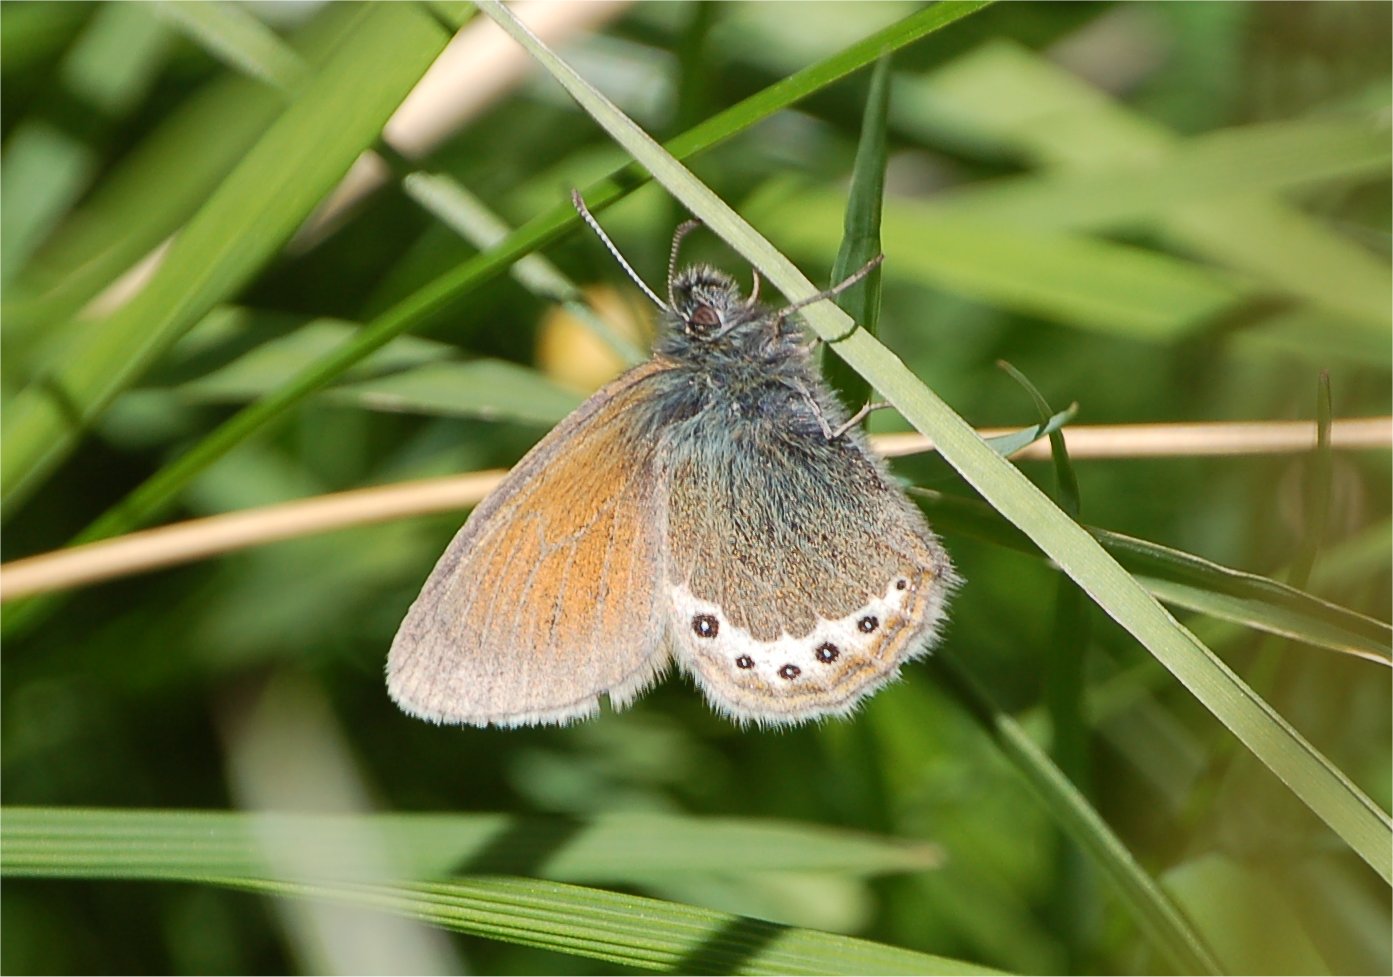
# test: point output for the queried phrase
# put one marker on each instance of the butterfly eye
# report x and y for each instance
(703, 318)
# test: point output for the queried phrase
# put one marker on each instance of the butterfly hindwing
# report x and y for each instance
(799, 577)
(548, 596)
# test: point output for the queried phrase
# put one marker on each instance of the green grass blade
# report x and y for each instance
(1233, 901)
(861, 235)
(1267, 618)
(486, 389)
(1313, 778)
(407, 375)
(1066, 481)
(1073, 911)
(1064, 683)
(1317, 489)
(231, 34)
(1008, 444)
(237, 353)
(1169, 930)
(108, 69)
(240, 849)
(615, 848)
(633, 931)
(253, 212)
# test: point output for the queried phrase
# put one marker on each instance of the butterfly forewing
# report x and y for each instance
(548, 596)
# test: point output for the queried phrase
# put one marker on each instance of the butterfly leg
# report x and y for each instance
(811, 401)
(858, 417)
(830, 433)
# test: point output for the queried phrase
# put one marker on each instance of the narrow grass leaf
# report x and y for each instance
(1251, 922)
(1066, 481)
(616, 848)
(633, 931)
(487, 389)
(234, 36)
(1008, 444)
(1074, 912)
(1317, 495)
(108, 69)
(1064, 683)
(231, 848)
(1269, 619)
(861, 235)
(237, 353)
(465, 214)
(1158, 917)
(1263, 158)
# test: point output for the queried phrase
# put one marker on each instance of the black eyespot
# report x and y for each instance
(705, 626)
(744, 661)
(901, 584)
(790, 672)
(827, 652)
(868, 623)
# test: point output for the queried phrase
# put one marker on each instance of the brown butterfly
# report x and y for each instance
(714, 504)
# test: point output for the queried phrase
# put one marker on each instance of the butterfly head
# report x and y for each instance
(707, 310)
(706, 303)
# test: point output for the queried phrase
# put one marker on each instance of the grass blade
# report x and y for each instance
(230, 33)
(236, 849)
(861, 235)
(618, 848)
(633, 931)
(1155, 913)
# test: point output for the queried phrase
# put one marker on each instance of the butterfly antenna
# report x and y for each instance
(754, 289)
(836, 289)
(683, 229)
(589, 218)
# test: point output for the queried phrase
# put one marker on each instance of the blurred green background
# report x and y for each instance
(1163, 212)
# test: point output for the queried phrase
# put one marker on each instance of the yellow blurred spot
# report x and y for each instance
(569, 352)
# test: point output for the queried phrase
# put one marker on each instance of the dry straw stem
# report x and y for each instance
(201, 538)
(1182, 440)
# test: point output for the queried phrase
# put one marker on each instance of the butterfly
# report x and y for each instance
(715, 506)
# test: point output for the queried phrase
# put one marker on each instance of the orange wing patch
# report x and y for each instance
(547, 597)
